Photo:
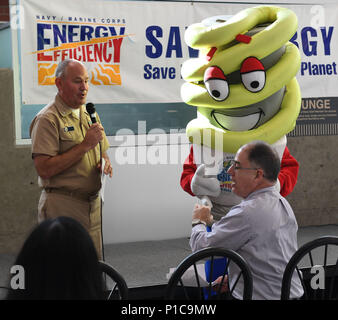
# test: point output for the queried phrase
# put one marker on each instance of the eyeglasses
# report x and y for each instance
(236, 165)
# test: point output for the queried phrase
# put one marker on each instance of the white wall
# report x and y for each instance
(145, 201)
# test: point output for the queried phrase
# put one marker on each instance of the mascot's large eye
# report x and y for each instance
(253, 74)
(216, 83)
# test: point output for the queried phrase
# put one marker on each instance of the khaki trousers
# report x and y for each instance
(52, 205)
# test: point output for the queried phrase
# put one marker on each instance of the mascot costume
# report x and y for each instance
(244, 87)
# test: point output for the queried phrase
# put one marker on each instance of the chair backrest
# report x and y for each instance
(115, 286)
(189, 281)
(318, 274)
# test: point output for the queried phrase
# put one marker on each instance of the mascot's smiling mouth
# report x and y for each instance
(247, 117)
(238, 123)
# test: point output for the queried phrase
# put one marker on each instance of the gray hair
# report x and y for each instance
(62, 66)
(262, 155)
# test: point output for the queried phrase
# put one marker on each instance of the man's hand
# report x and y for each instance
(204, 186)
(93, 136)
(108, 169)
(203, 213)
(219, 285)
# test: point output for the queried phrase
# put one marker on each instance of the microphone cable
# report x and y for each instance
(91, 110)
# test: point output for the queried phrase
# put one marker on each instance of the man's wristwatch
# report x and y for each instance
(195, 222)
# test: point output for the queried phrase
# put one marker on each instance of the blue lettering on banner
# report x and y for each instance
(73, 33)
(314, 69)
(59, 35)
(327, 40)
(53, 36)
(159, 72)
(156, 45)
(156, 48)
(309, 42)
(40, 37)
(174, 43)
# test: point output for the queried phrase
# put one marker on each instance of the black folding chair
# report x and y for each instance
(115, 286)
(322, 254)
(188, 281)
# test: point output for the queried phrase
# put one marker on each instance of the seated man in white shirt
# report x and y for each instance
(262, 228)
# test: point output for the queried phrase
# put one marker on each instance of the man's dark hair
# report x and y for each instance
(60, 263)
(262, 155)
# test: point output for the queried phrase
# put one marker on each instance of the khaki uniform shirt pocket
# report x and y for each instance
(69, 138)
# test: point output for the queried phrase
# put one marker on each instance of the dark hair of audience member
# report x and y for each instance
(262, 155)
(60, 263)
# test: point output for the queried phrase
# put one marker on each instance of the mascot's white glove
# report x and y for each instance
(204, 186)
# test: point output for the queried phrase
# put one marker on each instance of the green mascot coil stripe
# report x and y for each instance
(262, 44)
(283, 22)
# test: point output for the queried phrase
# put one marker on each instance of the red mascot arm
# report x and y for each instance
(288, 173)
(189, 168)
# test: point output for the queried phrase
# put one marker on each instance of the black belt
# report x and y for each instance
(73, 194)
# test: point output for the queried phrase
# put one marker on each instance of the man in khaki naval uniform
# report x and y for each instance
(66, 149)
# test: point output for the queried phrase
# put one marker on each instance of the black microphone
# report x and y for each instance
(91, 110)
(92, 113)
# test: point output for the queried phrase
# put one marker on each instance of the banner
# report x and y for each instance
(134, 50)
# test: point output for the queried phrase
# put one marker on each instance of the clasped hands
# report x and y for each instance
(202, 185)
(203, 213)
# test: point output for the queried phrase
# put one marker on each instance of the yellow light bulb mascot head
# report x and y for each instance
(243, 85)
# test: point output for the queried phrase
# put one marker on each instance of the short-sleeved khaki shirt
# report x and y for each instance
(55, 130)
